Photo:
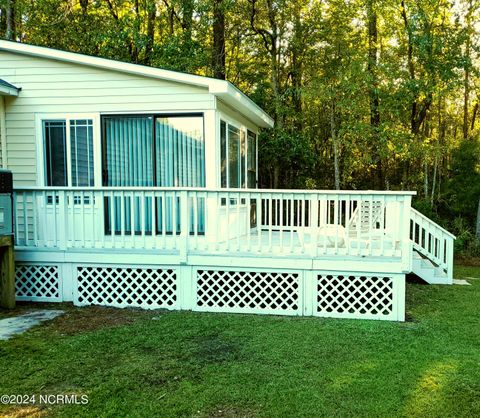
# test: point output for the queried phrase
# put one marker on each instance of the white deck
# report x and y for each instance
(319, 253)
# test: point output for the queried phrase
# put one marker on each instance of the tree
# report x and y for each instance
(218, 51)
(374, 96)
(467, 64)
(10, 32)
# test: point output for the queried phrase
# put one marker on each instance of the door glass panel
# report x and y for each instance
(233, 157)
(223, 153)
(180, 162)
(252, 160)
(128, 150)
(180, 151)
(55, 137)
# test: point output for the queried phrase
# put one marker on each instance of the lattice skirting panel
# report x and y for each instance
(249, 291)
(336, 294)
(126, 286)
(360, 296)
(38, 282)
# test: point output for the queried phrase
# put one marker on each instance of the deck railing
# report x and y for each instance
(187, 220)
(432, 241)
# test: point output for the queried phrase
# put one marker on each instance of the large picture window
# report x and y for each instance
(234, 158)
(68, 149)
(152, 150)
(238, 157)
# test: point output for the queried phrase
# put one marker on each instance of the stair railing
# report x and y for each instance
(432, 241)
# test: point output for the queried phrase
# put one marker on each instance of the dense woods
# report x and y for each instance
(372, 94)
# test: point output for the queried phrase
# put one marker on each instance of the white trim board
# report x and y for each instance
(220, 88)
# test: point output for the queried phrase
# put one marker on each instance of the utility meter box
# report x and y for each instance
(6, 202)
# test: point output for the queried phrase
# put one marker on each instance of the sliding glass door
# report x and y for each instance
(128, 144)
(238, 157)
(238, 162)
(153, 150)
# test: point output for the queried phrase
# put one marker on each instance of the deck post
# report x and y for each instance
(399, 294)
(405, 233)
(449, 260)
(184, 226)
(314, 225)
(63, 219)
(68, 281)
(7, 273)
(309, 293)
(186, 295)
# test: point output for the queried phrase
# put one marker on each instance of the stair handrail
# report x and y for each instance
(421, 215)
(441, 252)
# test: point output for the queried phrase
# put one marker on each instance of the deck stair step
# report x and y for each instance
(427, 270)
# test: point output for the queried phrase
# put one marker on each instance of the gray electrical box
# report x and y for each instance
(6, 202)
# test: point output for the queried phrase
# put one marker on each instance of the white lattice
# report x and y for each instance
(37, 282)
(355, 296)
(248, 291)
(122, 286)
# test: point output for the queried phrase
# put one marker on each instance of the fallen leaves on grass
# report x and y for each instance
(92, 318)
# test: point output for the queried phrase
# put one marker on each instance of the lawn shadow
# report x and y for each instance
(215, 348)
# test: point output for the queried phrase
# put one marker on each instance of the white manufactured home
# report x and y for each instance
(137, 186)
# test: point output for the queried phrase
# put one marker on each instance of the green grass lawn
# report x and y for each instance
(136, 363)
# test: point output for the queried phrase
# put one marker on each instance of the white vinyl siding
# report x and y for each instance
(50, 86)
(2, 132)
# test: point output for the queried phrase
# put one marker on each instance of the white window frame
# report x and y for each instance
(40, 143)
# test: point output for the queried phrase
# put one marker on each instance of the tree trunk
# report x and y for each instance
(419, 108)
(466, 80)
(478, 220)
(297, 63)
(11, 29)
(270, 39)
(171, 20)
(84, 6)
(434, 180)
(218, 53)
(276, 175)
(411, 67)
(272, 45)
(151, 17)
(374, 99)
(333, 132)
(425, 181)
(3, 20)
(187, 16)
(372, 64)
(474, 116)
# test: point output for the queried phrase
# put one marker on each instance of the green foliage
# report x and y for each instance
(462, 191)
(289, 150)
(466, 244)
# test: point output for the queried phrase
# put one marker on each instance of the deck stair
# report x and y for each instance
(427, 270)
(432, 253)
